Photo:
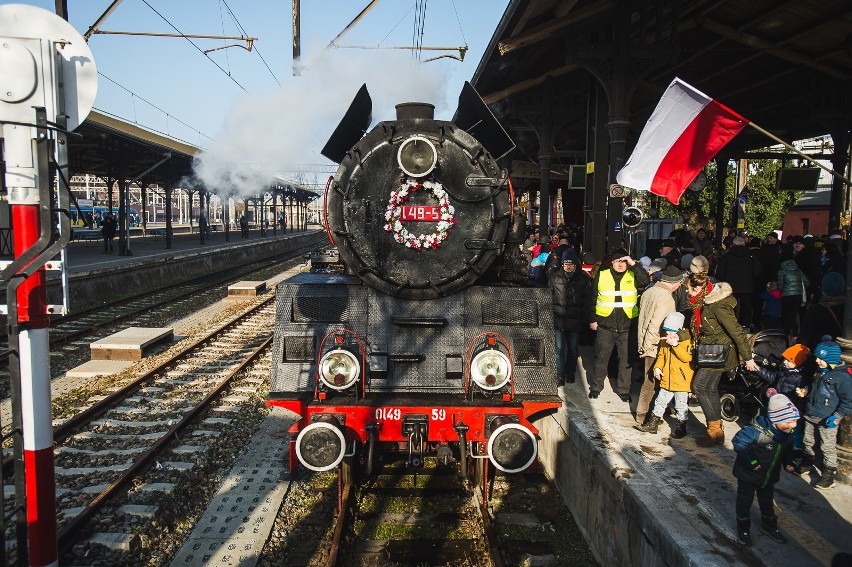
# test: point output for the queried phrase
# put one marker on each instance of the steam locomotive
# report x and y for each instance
(432, 341)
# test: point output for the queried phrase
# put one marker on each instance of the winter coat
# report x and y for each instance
(739, 268)
(822, 318)
(655, 304)
(770, 258)
(616, 321)
(570, 295)
(790, 279)
(830, 394)
(719, 325)
(702, 247)
(808, 262)
(783, 379)
(771, 303)
(677, 366)
(109, 227)
(759, 443)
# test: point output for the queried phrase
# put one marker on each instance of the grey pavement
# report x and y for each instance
(817, 523)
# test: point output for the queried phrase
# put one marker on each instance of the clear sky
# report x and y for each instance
(226, 111)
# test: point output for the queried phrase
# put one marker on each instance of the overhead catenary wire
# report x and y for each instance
(459, 21)
(256, 49)
(236, 82)
(224, 42)
(419, 27)
(396, 25)
(152, 105)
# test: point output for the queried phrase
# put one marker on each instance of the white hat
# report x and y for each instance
(674, 322)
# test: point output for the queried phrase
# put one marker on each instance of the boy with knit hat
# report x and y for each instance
(762, 447)
(829, 400)
(789, 380)
(674, 369)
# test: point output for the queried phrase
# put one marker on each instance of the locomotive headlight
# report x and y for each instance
(490, 369)
(339, 369)
(417, 156)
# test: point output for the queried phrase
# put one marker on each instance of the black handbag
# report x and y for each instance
(711, 356)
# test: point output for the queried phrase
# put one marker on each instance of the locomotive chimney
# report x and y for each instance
(415, 111)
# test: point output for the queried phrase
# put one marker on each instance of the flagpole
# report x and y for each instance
(800, 153)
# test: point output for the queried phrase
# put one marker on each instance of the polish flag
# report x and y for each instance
(683, 133)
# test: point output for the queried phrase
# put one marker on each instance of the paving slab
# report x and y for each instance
(130, 344)
(239, 517)
(95, 368)
(246, 289)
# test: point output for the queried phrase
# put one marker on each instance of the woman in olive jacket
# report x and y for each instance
(714, 323)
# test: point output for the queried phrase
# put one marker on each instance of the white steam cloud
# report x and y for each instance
(270, 134)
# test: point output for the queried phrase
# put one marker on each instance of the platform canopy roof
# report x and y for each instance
(111, 148)
(786, 65)
(292, 189)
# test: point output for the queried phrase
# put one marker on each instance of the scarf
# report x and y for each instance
(698, 302)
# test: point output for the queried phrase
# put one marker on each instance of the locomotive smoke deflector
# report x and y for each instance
(351, 127)
(474, 117)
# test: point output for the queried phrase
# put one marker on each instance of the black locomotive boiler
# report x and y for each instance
(430, 343)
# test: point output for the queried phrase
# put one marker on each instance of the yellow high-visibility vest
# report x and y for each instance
(609, 298)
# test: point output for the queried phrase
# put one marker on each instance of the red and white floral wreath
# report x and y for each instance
(394, 212)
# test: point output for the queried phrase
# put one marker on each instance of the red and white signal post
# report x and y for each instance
(48, 85)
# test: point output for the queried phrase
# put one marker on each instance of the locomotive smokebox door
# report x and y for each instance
(433, 222)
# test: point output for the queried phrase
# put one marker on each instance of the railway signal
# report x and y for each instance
(47, 88)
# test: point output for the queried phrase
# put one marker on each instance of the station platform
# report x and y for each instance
(95, 276)
(88, 255)
(644, 499)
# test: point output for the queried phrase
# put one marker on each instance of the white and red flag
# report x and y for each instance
(682, 135)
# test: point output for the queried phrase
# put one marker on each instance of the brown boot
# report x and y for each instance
(715, 434)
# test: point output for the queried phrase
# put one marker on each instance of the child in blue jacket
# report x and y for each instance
(829, 401)
(762, 448)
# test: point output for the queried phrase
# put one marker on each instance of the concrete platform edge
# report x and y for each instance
(625, 518)
(90, 287)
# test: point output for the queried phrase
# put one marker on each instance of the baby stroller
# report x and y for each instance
(742, 390)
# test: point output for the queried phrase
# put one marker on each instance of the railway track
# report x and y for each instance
(146, 309)
(432, 518)
(132, 449)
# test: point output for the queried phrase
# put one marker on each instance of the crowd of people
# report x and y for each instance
(683, 321)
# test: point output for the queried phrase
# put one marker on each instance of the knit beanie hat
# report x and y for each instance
(829, 351)
(833, 284)
(781, 409)
(797, 354)
(686, 261)
(645, 261)
(673, 322)
(570, 255)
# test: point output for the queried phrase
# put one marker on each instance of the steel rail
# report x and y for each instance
(488, 528)
(68, 531)
(66, 429)
(343, 500)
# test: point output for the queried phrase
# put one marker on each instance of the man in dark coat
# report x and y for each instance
(108, 230)
(701, 245)
(613, 312)
(570, 290)
(739, 268)
(670, 251)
